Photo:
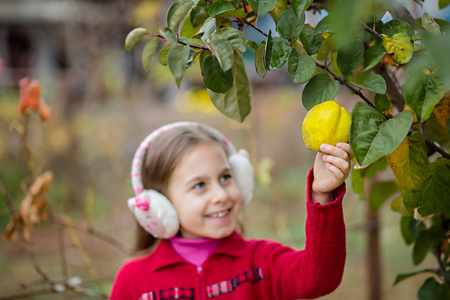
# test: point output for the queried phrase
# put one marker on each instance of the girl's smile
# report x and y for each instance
(204, 193)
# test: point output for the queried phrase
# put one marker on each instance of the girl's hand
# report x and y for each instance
(331, 168)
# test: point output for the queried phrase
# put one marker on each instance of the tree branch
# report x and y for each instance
(345, 83)
(192, 46)
(371, 31)
(8, 201)
(61, 221)
(253, 26)
(432, 145)
(437, 254)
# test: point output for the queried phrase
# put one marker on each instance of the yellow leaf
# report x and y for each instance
(442, 111)
(409, 162)
(400, 46)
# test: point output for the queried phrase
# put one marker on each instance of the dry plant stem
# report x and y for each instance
(28, 151)
(8, 201)
(61, 221)
(28, 294)
(62, 253)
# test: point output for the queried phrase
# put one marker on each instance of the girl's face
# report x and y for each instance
(204, 194)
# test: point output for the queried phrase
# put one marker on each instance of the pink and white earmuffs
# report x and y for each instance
(154, 212)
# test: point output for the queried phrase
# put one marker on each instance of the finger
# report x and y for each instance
(337, 173)
(343, 165)
(335, 151)
(346, 147)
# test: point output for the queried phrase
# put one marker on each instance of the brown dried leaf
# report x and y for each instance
(32, 209)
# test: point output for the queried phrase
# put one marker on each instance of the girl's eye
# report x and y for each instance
(199, 185)
(225, 177)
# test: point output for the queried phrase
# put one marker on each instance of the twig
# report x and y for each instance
(437, 253)
(28, 151)
(8, 201)
(253, 26)
(344, 82)
(371, 31)
(61, 221)
(180, 42)
(432, 144)
(62, 253)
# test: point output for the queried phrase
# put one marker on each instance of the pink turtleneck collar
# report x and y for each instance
(195, 251)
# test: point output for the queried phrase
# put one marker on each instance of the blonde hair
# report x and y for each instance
(161, 158)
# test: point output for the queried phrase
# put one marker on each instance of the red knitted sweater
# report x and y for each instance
(246, 269)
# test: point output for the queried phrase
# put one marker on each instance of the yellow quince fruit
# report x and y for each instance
(327, 123)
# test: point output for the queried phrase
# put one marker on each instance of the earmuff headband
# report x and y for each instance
(136, 167)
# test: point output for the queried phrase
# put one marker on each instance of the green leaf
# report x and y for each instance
(218, 7)
(208, 28)
(311, 43)
(348, 58)
(133, 37)
(223, 52)
(328, 45)
(396, 26)
(279, 9)
(148, 51)
(235, 103)
(372, 137)
(188, 29)
(268, 51)
(253, 46)
(169, 35)
(443, 3)
(374, 83)
(324, 26)
(280, 53)
(436, 189)
(382, 102)
(233, 13)
(178, 12)
(431, 290)
(421, 247)
(358, 184)
(400, 46)
(405, 228)
(380, 192)
(409, 161)
(234, 37)
(290, 26)
(422, 92)
(319, 89)
(163, 54)
(262, 7)
(214, 77)
(373, 56)
(430, 25)
(299, 6)
(259, 61)
(397, 205)
(300, 68)
(403, 276)
(177, 60)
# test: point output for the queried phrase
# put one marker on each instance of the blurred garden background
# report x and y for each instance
(103, 104)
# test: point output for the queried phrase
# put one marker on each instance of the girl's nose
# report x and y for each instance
(220, 194)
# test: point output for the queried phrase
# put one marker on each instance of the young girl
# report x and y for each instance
(190, 185)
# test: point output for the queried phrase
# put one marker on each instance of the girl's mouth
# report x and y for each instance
(219, 214)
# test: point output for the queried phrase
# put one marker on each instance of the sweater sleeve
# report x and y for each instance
(317, 270)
